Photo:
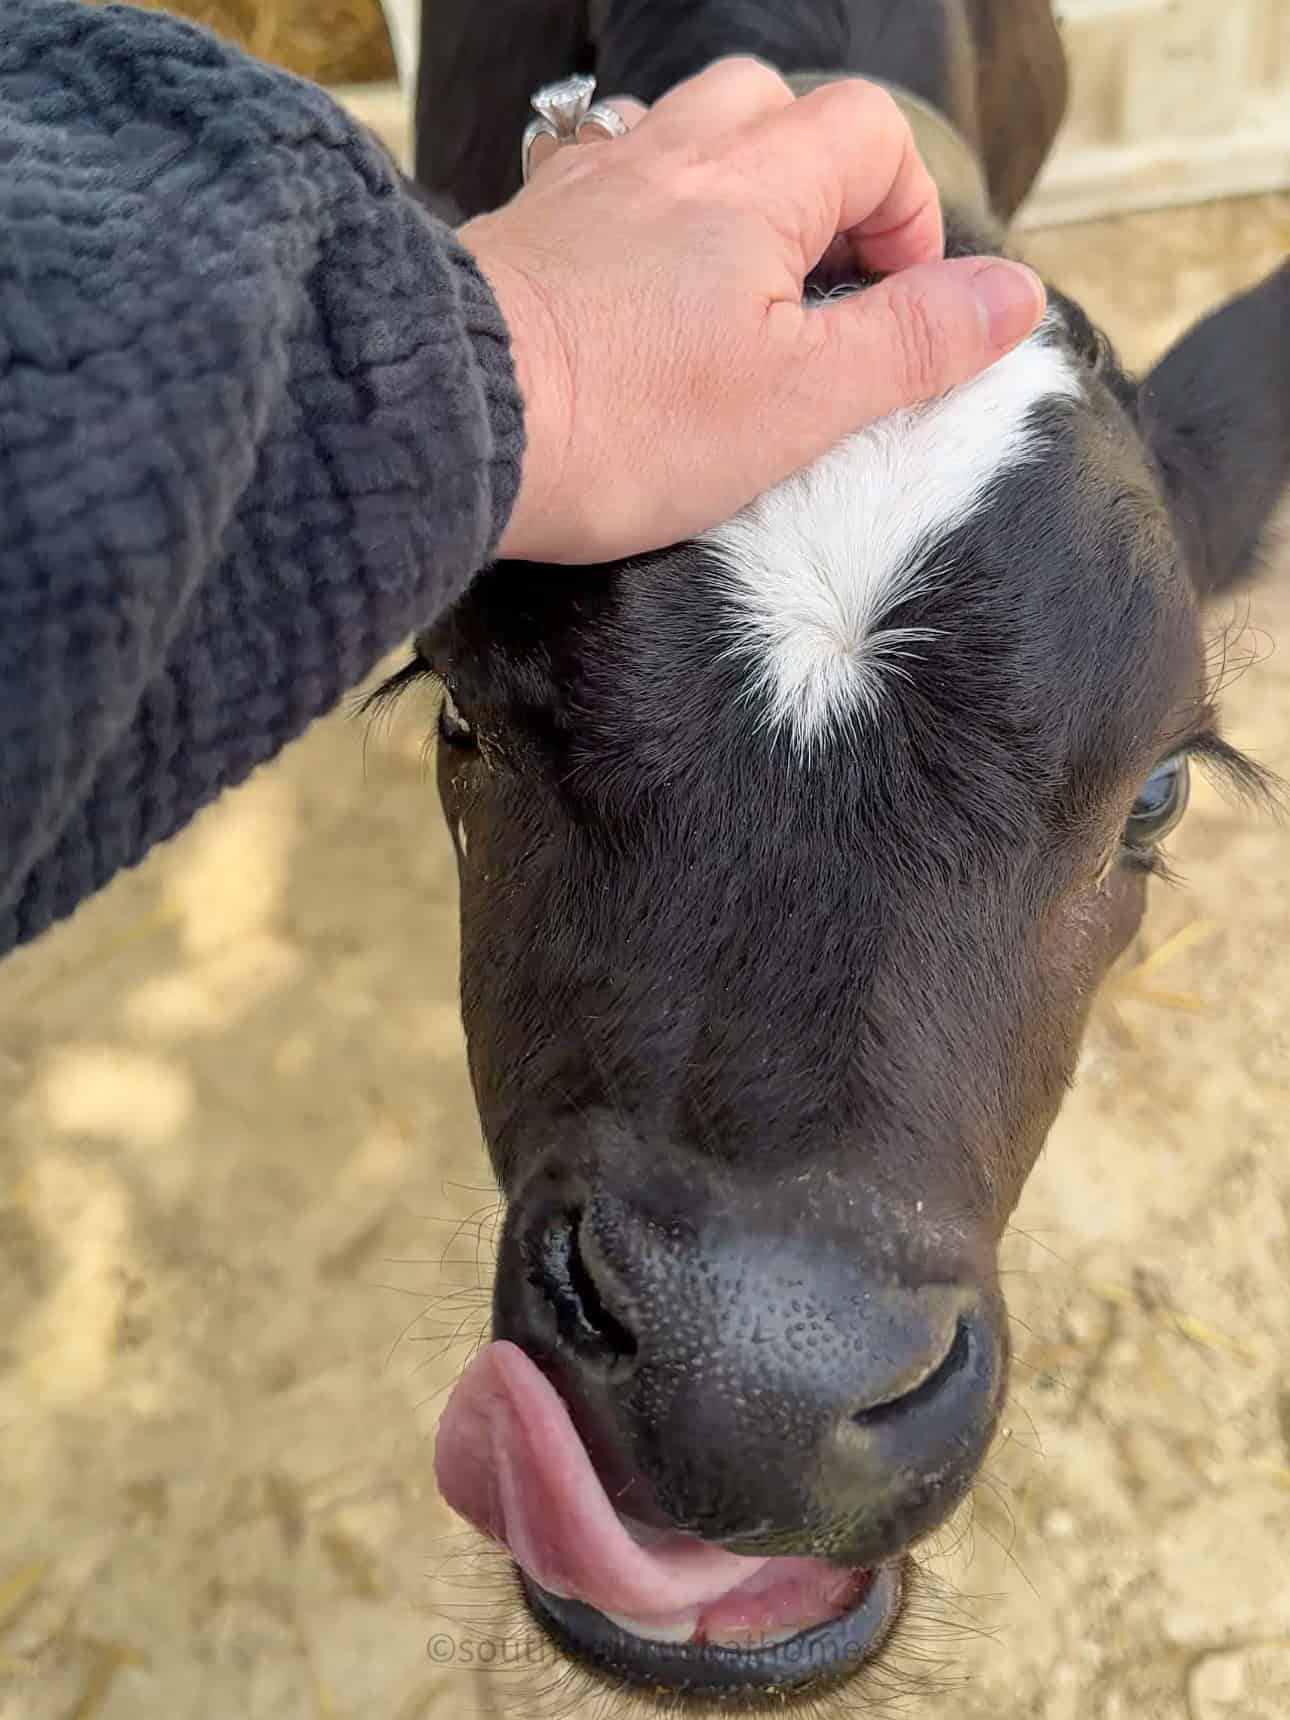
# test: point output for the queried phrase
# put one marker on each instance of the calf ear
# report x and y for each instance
(1216, 414)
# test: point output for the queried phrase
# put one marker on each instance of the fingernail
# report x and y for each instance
(1012, 298)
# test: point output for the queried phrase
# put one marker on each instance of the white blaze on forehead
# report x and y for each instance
(817, 562)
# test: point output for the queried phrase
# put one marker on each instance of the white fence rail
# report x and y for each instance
(1172, 101)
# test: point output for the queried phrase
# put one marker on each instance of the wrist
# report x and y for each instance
(543, 378)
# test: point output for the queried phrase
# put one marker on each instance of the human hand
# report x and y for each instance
(652, 285)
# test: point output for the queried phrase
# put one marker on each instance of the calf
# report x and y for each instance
(791, 859)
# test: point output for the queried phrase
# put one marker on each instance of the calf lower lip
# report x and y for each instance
(820, 1654)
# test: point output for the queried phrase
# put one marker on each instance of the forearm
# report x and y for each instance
(257, 420)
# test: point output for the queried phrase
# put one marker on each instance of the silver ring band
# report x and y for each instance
(601, 117)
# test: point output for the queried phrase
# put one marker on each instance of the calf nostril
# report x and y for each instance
(569, 1286)
(953, 1362)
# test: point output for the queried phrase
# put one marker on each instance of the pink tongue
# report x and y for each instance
(509, 1459)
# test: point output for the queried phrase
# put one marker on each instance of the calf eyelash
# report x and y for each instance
(1227, 766)
(382, 699)
(1152, 861)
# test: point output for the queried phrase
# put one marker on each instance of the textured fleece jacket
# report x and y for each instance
(258, 420)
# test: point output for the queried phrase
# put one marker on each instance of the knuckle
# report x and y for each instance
(746, 71)
(882, 108)
(870, 103)
(918, 341)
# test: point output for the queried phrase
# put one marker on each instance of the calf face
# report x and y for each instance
(790, 862)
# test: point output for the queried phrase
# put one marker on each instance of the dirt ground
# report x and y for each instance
(244, 1249)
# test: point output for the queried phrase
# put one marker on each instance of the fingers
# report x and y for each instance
(916, 334)
(842, 160)
(839, 162)
(727, 96)
(907, 226)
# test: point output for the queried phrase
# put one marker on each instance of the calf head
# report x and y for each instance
(790, 862)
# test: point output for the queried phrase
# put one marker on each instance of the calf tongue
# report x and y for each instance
(509, 1459)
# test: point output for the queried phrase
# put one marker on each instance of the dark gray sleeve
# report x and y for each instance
(258, 420)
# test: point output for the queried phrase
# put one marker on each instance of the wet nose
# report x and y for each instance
(789, 1388)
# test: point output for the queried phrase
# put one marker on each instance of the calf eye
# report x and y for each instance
(453, 727)
(1160, 805)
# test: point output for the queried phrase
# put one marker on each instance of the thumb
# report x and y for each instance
(925, 329)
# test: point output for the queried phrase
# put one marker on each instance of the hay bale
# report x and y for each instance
(331, 41)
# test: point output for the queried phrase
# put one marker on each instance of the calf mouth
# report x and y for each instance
(657, 1609)
(744, 1664)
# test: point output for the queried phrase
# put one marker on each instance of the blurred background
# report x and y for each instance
(245, 1217)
